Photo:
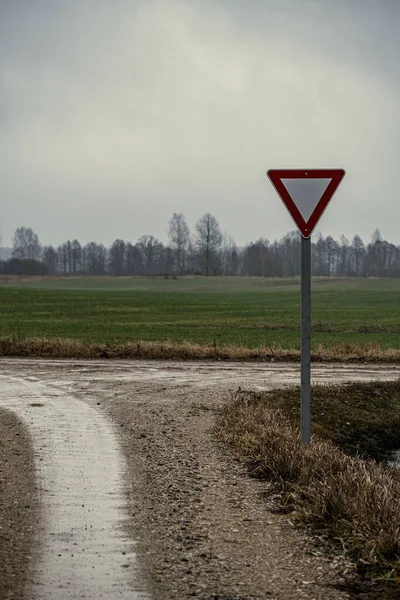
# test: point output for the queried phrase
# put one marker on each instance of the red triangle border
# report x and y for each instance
(306, 227)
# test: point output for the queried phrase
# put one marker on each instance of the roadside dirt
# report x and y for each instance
(206, 529)
(203, 528)
(18, 505)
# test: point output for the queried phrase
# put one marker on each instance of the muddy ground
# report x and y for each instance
(18, 505)
(203, 528)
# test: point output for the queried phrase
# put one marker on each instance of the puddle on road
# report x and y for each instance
(84, 552)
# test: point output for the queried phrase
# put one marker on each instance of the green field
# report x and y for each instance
(247, 312)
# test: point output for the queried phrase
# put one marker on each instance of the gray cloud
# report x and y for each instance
(114, 114)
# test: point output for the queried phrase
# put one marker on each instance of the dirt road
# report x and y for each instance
(82, 551)
(203, 529)
(201, 374)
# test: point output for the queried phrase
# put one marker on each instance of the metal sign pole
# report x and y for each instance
(305, 420)
(306, 193)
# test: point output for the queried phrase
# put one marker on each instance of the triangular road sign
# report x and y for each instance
(306, 193)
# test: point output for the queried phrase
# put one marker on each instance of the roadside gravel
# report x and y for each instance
(205, 529)
(18, 507)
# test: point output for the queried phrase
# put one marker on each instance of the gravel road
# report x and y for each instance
(202, 528)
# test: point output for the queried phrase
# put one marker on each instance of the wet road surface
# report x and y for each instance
(265, 375)
(84, 551)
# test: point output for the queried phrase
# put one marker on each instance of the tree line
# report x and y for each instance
(206, 251)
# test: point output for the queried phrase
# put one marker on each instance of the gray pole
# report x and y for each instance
(305, 338)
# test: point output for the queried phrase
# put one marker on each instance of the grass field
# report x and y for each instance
(249, 312)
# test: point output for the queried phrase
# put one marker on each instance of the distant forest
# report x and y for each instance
(206, 251)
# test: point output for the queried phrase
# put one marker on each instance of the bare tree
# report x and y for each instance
(50, 259)
(94, 259)
(319, 255)
(62, 259)
(229, 256)
(331, 255)
(258, 259)
(344, 261)
(117, 258)
(179, 236)
(151, 250)
(76, 255)
(358, 253)
(209, 240)
(133, 259)
(376, 237)
(26, 244)
(68, 253)
(290, 245)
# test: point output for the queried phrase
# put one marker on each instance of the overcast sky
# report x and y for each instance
(116, 113)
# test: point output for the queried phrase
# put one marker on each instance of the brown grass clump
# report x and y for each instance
(368, 351)
(355, 502)
(68, 348)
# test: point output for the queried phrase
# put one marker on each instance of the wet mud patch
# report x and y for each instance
(18, 505)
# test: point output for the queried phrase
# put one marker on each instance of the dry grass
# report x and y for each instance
(362, 418)
(355, 502)
(67, 348)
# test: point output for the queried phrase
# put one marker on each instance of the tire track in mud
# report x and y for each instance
(82, 549)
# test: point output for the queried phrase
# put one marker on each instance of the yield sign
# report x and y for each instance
(306, 193)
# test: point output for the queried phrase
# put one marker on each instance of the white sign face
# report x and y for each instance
(306, 193)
